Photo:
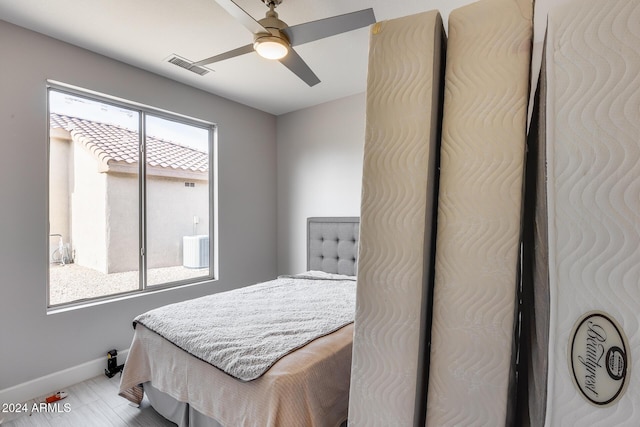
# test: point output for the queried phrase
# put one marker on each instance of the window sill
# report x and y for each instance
(82, 304)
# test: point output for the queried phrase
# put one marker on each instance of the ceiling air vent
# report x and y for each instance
(181, 62)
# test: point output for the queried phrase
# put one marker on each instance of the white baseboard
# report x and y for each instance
(57, 381)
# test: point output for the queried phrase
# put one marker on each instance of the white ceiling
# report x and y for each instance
(145, 33)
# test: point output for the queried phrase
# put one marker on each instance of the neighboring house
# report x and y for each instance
(93, 199)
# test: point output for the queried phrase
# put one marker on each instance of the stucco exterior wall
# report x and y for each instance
(171, 208)
(121, 227)
(88, 211)
(60, 178)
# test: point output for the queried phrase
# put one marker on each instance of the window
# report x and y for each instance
(131, 194)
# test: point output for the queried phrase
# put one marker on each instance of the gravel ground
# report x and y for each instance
(72, 282)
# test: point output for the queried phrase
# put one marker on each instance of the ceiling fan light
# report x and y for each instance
(271, 47)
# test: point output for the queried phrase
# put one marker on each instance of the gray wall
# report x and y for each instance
(34, 344)
(320, 153)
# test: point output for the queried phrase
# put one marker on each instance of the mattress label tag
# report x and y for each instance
(598, 358)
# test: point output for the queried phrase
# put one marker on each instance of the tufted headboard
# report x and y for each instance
(332, 244)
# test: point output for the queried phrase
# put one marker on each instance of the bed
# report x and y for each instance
(308, 386)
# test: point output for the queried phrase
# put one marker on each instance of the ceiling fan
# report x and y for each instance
(274, 39)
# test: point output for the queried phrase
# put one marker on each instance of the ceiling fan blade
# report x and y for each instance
(315, 30)
(296, 64)
(230, 54)
(241, 15)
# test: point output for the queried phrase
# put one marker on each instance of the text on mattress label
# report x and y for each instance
(598, 358)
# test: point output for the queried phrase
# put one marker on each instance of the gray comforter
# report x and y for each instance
(245, 331)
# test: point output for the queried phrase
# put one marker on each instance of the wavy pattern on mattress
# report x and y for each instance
(395, 229)
(479, 213)
(593, 157)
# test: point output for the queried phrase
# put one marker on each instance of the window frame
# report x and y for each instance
(143, 111)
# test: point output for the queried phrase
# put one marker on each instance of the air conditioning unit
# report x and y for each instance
(195, 251)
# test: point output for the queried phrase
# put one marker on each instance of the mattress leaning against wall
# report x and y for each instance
(592, 136)
(395, 256)
(472, 370)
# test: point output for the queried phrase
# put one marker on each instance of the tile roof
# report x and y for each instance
(114, 144)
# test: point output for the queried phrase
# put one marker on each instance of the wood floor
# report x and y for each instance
(94, 402)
